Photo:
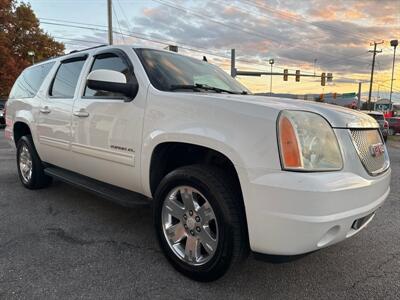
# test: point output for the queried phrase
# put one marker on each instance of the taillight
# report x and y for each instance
(386, 124)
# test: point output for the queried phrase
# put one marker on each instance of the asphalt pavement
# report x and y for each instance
(65, 243)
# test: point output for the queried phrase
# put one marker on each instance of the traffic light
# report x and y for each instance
(285, 74)
(323, 79)
(329, 77)
(297, 75)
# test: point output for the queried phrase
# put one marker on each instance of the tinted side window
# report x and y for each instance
(29, 82)
(378, 117)
(109, 61)
(64, 84)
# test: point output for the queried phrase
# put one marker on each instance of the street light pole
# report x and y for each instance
(394, 44)
(109, 14)
(32, 55)
(271, 62)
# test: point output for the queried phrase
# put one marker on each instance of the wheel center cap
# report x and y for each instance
(191, 223)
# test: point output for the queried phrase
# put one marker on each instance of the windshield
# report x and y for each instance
(167, 71)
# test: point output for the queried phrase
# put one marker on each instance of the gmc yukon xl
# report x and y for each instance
(227, 172)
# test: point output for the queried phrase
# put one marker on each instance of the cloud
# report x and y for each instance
(295, 33)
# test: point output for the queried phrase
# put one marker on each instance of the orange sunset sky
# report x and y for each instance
(328, 36)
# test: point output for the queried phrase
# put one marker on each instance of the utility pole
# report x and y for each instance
(315, 63)
(394, 44)
(233, 63)
(372, 71)
(359, 96)
(110, 30)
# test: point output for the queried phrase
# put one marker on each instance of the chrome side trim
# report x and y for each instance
(57, 143)
(96, 152)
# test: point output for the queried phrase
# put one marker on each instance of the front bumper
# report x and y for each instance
(292, 213)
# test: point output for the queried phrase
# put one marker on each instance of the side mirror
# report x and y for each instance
(112, 81)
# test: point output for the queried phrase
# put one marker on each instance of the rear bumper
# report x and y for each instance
(294, 213)
(8, 133)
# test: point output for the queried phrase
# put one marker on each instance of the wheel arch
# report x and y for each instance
(20, 129)
(153, 146)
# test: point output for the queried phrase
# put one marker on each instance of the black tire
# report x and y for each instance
(226, 200)
(38, 179)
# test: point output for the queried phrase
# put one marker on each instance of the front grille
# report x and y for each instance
(363, 140)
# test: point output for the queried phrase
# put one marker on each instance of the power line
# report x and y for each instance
(94, 27)
(236, 26)
(78, 40)
(296, 18)
(119, 25)
(136, 35)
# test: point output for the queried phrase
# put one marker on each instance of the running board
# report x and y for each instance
(107, 191)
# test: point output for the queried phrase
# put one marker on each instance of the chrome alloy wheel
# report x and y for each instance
(189, 225)
(25, 163)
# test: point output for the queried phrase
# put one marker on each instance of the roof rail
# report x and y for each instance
(99, 46)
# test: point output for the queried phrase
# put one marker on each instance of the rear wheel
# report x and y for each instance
(199, 221)
(30, 168)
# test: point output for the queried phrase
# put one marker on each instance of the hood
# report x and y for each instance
(337, 116)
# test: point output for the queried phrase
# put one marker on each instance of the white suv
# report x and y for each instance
(228, 172)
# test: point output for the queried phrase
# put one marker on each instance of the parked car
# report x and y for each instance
(380, 118)
(394, 125)
(2, 119)
(227, 171)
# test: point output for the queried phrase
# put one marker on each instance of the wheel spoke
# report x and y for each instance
(187, 198)
(176, 233)
(174, 208)
(208, 242)
(206, 213)
(192, 249)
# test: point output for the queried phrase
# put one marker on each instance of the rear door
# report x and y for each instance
(107, 127)
(55, 113)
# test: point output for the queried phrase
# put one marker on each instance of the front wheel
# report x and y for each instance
(200, 223)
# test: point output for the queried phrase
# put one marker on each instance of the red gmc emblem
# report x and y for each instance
(377, 149)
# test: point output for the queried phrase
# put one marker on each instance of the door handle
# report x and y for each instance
(81, 113)
(45, 110)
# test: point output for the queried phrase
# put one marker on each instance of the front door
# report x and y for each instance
(107, 127)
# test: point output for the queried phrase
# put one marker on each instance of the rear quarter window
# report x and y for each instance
(377, 117)
(28, 83)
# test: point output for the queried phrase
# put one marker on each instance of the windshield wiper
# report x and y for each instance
(184, 87)
(197, 86)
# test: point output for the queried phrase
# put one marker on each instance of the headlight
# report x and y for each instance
(307, 142)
